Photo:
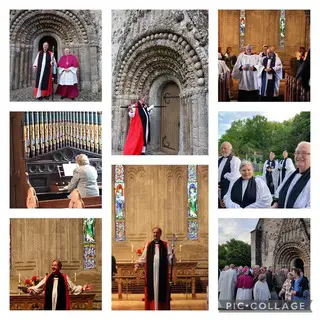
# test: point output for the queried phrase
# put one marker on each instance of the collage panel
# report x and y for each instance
(160, 82)
(160, 237)
(265, 160)
(264, 265)
(55, 55)
(56, 264)
(56, 159)
(264, 55)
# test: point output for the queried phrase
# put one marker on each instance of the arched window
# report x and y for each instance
(119, 203)
(193, 221)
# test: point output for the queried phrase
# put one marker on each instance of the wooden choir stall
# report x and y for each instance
(42, 145)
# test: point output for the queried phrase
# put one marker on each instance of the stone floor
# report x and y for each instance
(26, 94)
(179, 302)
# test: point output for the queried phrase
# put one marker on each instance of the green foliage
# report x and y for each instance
(236, 252)
(262, 136)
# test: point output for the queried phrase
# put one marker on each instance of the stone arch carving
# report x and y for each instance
(285, 253)
(154, 52)
(76, 29)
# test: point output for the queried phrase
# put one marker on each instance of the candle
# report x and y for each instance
(75, 277)
(180, 247)
(132, 248)
(19, 278)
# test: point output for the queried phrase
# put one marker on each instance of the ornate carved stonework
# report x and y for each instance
(170, 45)
(79, 30)
(282, 242)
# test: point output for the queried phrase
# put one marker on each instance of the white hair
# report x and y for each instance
(303, 143)
(246, 163)
(227, 142)
(82, 159)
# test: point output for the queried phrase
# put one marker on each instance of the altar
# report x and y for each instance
(27, 302)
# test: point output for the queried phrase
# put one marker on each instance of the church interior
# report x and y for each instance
(284, 30)
(43, 146)
(35, 243)
(175, 198)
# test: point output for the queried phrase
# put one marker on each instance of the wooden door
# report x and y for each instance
(170, 119)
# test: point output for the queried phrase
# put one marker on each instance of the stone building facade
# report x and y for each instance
(282, 243)
(162, 54)
(79, 30)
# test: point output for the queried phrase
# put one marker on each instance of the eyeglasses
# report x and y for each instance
(302, 154)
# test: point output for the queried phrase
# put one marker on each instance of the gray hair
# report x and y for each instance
(304, 143)
(246, 163)
(82, 159)
(262, 277)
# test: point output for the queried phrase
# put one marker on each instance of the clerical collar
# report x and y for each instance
(156, 241)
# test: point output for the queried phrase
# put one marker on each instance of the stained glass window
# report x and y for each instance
(193, 223)
(89, 243)
(282, 28)
(119, 203)
(242, 27)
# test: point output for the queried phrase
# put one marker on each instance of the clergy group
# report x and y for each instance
(282, 184)
(258, 75)
(246, 284)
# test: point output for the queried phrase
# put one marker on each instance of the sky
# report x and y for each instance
(238, 229)
(226, 118)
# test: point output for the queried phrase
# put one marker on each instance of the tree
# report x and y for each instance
(234, 252)
(262, 136)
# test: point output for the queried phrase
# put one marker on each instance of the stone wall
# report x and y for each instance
(36, 242)
(80, 30)
(171, 45)
(157, 196)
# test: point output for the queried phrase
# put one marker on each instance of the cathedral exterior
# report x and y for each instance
(162, 54)
(79, 30)
(282, 243)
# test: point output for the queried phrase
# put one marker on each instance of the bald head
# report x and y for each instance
(302, 156)
(226, 149)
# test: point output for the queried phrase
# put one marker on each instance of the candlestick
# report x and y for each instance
(75, 277)
(132, 248)
(180, 247)
(19, 278)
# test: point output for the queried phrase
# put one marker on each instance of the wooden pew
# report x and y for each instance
(294, 92)
(89, 202)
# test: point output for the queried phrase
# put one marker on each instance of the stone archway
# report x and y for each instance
(163, 53)
(77, 29)
(289, 254)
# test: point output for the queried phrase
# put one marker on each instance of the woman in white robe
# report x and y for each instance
(240, 195)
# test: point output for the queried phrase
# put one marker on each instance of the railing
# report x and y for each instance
(294, 90)
(222, 87)
(134, 284)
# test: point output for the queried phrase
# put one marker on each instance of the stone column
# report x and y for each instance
(94, 68)
(17, 66)
(12, 63)
(85, 68)
(22, 74)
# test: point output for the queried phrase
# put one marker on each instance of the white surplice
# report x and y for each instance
(261, 291)
(35, 64)
(303, 200)
(227, 286)
(156, 267)
(68, 78)
(263, 195)
(248, 79)
(73, 289)
(277, 75)
(234, 169)
(289, 168)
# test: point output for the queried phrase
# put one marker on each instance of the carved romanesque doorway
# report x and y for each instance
(170, 118)
(52, 43)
